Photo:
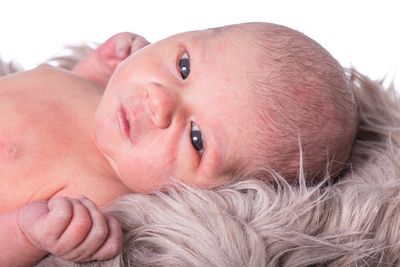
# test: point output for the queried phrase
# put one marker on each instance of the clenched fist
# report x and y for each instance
(73, 229)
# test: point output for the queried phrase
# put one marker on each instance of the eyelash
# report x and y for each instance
(195, 138)
(183, 65)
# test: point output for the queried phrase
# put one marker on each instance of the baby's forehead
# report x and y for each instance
(233, 35)
(195, 35)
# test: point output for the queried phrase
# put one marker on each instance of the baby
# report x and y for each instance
(203, 107)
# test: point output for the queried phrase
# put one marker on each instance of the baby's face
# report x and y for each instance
(177, 108)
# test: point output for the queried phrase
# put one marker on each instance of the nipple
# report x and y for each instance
(9, 151)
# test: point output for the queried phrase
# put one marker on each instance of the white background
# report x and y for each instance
(364, 34)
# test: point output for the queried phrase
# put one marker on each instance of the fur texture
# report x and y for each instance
(353, 221)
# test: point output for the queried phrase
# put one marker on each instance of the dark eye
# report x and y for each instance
(184, 65)
(196, 139)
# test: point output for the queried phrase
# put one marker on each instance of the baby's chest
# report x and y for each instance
(31, 127)
(35, 145)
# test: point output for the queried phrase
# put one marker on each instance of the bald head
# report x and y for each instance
(303, 101)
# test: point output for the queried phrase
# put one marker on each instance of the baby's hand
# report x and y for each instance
(73, 229)
(101, 63)
(118, 47)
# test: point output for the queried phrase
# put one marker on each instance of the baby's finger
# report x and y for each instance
(58, 218)
(113, 244)
(32, 221)
(138, 43)
(96, 236)
(53, 223)
(76, 232)
(123, 45)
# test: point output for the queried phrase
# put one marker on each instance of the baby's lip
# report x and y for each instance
(124, 122)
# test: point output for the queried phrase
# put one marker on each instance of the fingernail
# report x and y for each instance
(121, 48)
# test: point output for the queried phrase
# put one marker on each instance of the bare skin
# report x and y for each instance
(57, 219)
(62, 137)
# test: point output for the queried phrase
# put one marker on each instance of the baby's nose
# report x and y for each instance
(161, 104)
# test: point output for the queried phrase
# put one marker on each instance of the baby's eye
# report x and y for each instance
(184, 65)
(195, 138)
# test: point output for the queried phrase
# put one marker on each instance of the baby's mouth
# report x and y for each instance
(124, 123)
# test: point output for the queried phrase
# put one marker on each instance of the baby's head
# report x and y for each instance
(210, 106)
(303, 105)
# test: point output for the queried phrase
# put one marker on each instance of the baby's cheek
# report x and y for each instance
(145, 174)
(187, 166)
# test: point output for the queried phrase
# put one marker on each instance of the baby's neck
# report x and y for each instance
(100, 182)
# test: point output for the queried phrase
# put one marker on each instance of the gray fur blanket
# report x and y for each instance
(354, 221)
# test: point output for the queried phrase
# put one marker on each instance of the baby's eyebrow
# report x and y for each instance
(196, 49)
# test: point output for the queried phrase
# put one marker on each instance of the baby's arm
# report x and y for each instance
(73, 229)
(15, 249)
(101, 62)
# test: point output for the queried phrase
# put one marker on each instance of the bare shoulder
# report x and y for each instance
(45, 77)
(50, 73)
(42, 71)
